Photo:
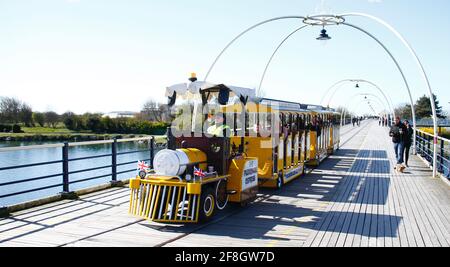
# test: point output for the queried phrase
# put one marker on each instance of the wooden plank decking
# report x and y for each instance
(353, 199)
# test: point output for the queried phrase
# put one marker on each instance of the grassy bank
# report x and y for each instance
(44, 134)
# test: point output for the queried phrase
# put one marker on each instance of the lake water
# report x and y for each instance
(15, 158)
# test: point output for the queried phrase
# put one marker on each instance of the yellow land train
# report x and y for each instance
(231, 144)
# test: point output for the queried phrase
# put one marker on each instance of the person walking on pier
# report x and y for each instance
(408, 141)
(398, 134)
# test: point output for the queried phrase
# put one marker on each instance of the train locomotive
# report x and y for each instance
(224, 145)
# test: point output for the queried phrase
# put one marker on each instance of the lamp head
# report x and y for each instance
(323, 36)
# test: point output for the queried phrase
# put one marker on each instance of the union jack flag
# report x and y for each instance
(199, 173)
(142, 166)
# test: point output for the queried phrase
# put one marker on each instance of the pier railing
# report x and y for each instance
(109, 170)
(430, 123)
(424, 146)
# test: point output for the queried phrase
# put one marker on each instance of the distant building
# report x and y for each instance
(120, 114)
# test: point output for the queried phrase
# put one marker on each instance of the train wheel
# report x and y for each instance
(221, 195)
(207, 205)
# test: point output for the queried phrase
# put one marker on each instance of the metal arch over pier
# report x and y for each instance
(328, 20)
(274, 54)
(359, 81)
(422, 72)
(344, 111)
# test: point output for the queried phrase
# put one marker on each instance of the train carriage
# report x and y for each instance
(289, 152)
(324, 135)
(226, 143)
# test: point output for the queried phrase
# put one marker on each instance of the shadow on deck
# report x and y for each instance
(353, 195)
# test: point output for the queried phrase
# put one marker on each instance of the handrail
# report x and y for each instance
(431, 135)
(34, 147)
(73, 144)
(68, 171)
(89, 143)
(425, 149)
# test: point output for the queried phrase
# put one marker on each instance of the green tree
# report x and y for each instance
(424, 110)
(71, 121)
(26, 115)
(16, 129)
(404, 111)
(110, 125)
(10, 109)
(94, 124)
(52, 119)
(39, 118)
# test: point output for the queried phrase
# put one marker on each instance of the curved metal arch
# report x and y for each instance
(392, 30)
(358, 106)
(344, 115)
(377, 98)
(344, 111)
(399, 69)
(423, 73)
(395, 62)
(360, 81)
(242, 34)
(274, 53)
(331, 88)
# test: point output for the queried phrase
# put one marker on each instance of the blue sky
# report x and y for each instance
(107, 55)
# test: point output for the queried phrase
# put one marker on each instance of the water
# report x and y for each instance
(15, 158)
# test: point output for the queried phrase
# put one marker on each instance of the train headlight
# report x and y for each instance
(170, 162)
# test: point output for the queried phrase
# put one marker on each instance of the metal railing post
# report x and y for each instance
(114, 161)
(429, 150)
(152, 150)
(424, 142)
(441, 167)
(416, 143)
(420, 143)
(4, 212)
(65, 167)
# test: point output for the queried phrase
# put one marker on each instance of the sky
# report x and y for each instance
(113, 55)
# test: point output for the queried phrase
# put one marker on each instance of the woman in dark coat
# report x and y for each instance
(408, 141)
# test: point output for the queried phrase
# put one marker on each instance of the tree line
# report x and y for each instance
(153, 119)
(96, 123)
(422, 108)
(14, 111)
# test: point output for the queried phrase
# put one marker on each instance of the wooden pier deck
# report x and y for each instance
(354, 199)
